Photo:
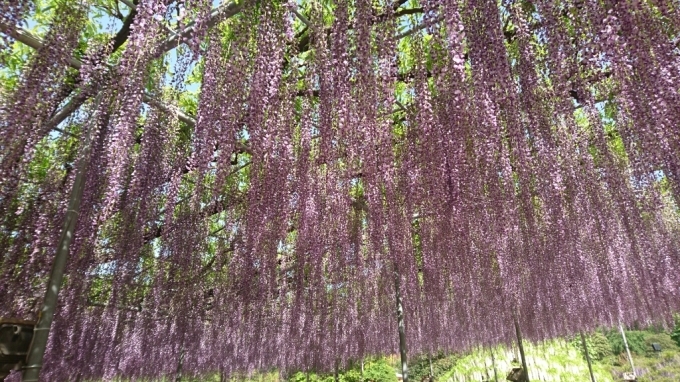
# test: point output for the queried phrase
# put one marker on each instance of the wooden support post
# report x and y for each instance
(34, 360)
(518, 332)
(402, 332)
(178, 372)
(625, 343)
(585, 350)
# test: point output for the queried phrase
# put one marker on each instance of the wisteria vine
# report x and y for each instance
(501, 160)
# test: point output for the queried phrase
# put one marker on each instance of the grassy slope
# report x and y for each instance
(552, 361)
(560, 360)
(557, 360)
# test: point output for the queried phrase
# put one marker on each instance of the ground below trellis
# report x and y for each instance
(557, 360)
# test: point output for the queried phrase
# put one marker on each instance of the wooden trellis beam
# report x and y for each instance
(28, 39)
(219, 14)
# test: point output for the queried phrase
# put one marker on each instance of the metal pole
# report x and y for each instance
(585, 349)
(31, 372)
(402, 333)
(429, 358)
(625, 343)
(518, 332)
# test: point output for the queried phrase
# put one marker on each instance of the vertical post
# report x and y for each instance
(178, 373)
(625, 343)
(590, 365)
(362, 370)
(429, 358)
(402, 333)
(493, 363)
(518, 332)
(41, 333)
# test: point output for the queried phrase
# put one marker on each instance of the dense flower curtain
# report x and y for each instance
(501, 160)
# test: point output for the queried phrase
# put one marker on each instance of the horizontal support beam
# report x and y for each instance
(28, 39)
(219, 14)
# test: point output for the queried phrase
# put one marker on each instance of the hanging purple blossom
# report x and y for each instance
(487, 162)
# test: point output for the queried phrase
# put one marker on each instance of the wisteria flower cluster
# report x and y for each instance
(495, 160)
